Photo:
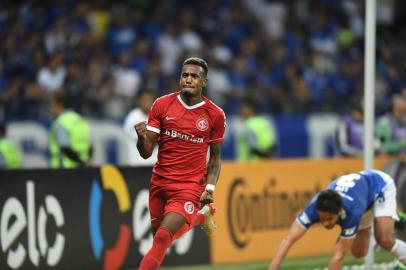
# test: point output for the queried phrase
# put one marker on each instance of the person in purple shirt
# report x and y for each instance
(350, 132)
(391, 128)
(354, 202)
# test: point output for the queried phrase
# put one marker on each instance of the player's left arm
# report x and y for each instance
(341, 248)
(213, 172)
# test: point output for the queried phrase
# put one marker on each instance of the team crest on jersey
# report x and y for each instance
(202, 124)
(189, 207)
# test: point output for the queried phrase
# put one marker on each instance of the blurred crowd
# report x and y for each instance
(291, 57)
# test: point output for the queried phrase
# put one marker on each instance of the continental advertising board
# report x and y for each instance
(257, 202)
(82, 219)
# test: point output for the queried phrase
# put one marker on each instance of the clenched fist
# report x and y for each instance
(206, 198)
(141, 129)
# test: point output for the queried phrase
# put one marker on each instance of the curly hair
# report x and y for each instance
(198, 62)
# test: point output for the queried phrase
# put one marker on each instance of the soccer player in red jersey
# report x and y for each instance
(184, 124)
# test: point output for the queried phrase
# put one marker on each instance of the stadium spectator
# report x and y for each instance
(184, 124)
(122, 32)
(354, 202)
(350, 132)
(10, 154)
(141, 55)
(100, 87)
(75, 86)
(296, 91)
(52, 76)
(391, 128)
(271, 15)
(34, 102)
(56, 39)
(220, 85)
(139, 114)
(322, 42)
(257, 139)
(69, 137)
(127, 84)
(169, 49)
(189, 39)
(154, 78)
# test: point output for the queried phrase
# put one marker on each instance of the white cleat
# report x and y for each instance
(209, 226)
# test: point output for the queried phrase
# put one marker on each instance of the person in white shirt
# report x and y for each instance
(52, 76)
(140, 113)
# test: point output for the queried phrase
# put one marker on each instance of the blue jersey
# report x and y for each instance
(358, 192)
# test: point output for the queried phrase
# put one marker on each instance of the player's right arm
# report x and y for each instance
(148, 132)
(146, 140)
(341, 248)
(295, 233)
(299, 227)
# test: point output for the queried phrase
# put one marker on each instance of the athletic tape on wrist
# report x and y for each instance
(210, 187)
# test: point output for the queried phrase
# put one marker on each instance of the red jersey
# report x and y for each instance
(185, 133)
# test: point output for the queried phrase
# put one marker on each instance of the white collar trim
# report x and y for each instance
(193, 106)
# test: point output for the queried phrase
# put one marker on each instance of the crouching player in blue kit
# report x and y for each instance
(352, 201)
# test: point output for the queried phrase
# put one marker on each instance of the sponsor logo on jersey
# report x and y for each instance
(186, 137)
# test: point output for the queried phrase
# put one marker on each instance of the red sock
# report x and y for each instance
(197, 219)
(153, 259)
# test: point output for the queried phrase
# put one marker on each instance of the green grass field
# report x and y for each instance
(290, 264)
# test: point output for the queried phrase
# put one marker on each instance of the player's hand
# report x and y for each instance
(206, 198)
(141, 129)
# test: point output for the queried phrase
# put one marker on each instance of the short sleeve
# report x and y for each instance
(219, 125)
(154, 117)
(309, 216)
(349, 232)
(350, 226)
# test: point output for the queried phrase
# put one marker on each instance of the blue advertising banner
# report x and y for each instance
(311, 136)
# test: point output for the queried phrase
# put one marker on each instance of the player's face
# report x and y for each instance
(192, 80)
(328, 220)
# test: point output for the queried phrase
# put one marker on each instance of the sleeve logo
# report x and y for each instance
(350, 231)
(304, 218)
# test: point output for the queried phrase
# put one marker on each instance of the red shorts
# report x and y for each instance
(185, 201)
